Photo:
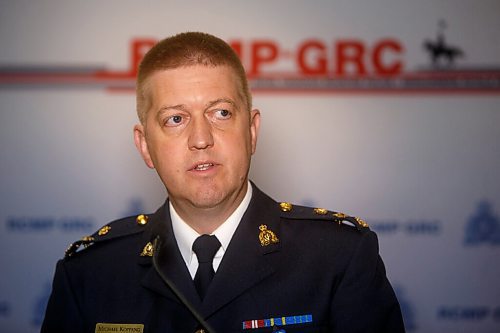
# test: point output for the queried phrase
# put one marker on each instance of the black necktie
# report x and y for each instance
(205, 248)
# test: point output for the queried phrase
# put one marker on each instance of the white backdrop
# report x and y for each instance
(421, 167)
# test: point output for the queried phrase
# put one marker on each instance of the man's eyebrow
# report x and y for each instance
(221, 100)
(172, 107)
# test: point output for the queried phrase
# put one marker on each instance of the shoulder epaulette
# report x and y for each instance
(290, 211)
(113, 230)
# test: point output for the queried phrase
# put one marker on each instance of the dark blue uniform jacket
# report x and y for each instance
(288, 268)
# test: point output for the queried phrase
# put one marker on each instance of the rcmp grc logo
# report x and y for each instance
(312, 64)
(483, 226)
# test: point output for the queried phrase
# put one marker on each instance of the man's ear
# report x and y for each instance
(254, 127)
(142, 145)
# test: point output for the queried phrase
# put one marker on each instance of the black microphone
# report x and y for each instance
(206, 327)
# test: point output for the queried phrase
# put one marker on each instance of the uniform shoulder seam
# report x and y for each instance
(116, 229)
(297, 212)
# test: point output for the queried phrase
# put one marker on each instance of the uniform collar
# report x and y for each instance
(185, 235)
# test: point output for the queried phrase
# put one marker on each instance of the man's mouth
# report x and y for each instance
(203, 167)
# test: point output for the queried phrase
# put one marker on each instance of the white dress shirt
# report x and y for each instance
(185, 235)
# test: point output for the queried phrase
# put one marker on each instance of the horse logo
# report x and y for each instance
(441, 53)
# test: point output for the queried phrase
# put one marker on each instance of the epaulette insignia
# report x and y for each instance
(120, 228)
(142, 219)
(361, 222)
(104, 230)
(320, 211)
(148, 250)
(286, 206)
(341, 218)
(73, 247)
(266, 236)
(308, 213)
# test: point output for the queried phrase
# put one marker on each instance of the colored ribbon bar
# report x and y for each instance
(278, 321)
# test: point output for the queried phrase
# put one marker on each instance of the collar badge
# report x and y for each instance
(148, 250)
(266, 236)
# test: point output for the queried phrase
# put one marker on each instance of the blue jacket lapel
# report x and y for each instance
(246, 262)
(169, 259)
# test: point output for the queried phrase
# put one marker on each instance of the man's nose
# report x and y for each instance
(200, 136)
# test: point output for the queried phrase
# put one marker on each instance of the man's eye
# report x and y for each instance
(223, 114)
(173, 120)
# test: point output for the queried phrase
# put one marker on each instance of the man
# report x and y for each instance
(270, 267)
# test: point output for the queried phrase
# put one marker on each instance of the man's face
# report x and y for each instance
(198, 135)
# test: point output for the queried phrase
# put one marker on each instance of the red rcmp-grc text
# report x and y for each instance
(343, 57)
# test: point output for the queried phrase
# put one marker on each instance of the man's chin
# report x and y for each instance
(207, 200)
(209, 197)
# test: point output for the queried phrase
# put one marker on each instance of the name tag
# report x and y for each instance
(126, 328)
